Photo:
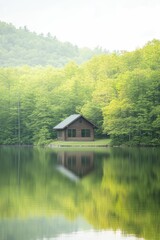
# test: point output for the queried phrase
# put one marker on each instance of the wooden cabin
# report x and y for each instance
(75, 128)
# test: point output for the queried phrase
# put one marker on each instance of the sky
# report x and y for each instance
(110, 24)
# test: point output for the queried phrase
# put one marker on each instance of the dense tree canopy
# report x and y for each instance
(120, 93)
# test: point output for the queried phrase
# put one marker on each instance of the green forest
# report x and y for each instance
(20, 47)
(119, 92)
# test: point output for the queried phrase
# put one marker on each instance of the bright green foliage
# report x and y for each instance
(133, 115)
(119, 93)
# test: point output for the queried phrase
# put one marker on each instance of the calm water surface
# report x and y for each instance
(75, 194)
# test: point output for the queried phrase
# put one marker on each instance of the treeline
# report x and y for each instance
(21, 47)
(119, 93)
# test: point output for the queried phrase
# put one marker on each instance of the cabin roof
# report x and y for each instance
(66, 122)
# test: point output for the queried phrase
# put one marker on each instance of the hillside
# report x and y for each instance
(119, 93)
(21, 47)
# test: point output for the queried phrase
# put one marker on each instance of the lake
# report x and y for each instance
(75, 194)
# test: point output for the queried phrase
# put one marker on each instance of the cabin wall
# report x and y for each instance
(80, 124)
(61, 135)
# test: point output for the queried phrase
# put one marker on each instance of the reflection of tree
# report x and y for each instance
(40, 187)
(134, 185)
(122, 193)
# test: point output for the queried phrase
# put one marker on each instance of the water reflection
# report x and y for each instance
(119, 190)
(94, 235)
(56, 228)
(75, 164)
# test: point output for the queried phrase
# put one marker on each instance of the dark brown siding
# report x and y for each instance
(80, 124)
(61, 135)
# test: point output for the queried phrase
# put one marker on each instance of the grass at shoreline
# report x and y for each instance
(97, 142)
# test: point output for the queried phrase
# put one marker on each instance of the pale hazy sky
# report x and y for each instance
(111, 24)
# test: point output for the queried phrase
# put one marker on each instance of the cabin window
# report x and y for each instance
(71, 132)
(85, 133)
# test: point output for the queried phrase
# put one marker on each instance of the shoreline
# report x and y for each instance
(102, 143)
(76, 145)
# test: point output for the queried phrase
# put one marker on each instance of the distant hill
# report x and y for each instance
(22, 47)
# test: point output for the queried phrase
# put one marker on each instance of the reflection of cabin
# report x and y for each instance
(75, 128)
(79, 163)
